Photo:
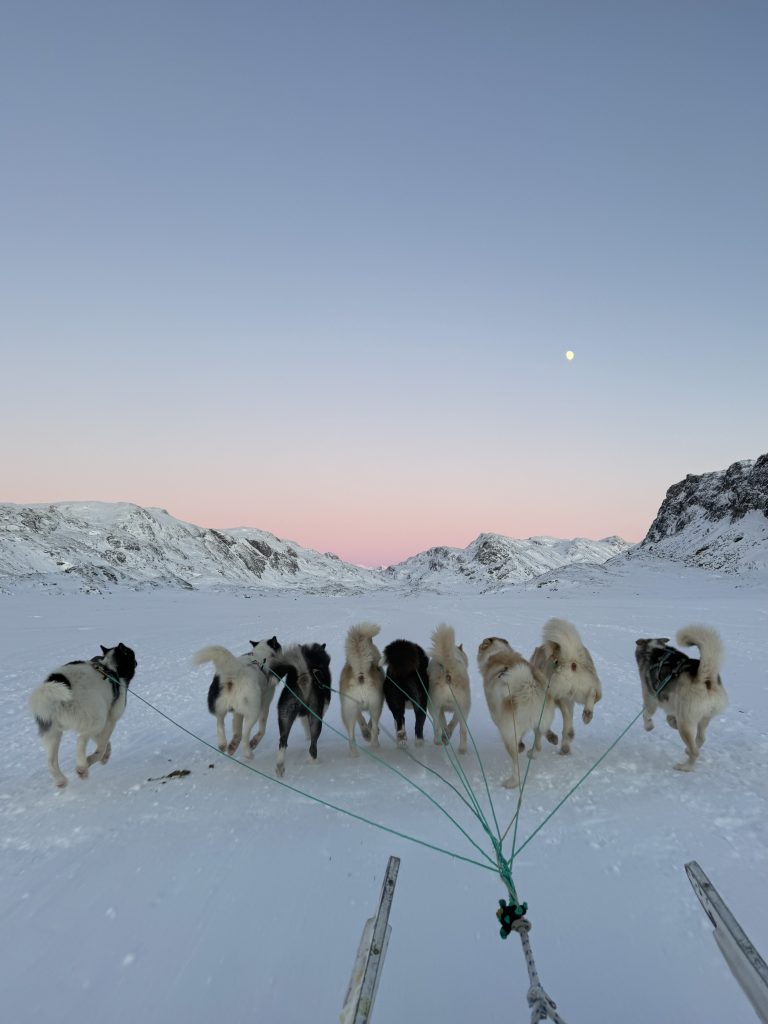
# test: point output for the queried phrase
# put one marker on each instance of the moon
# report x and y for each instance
(569, 355)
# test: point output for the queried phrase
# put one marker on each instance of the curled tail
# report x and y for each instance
(46, 699)
(224, 661)
(710, 649)
(359, 647)
(565, 635)
(444, 651)
(291, 666)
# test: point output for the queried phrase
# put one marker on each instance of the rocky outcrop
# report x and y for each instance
(715, 520)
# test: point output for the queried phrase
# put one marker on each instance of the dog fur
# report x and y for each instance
(86, 697)
(517, 697)
(564, 660)
(406, 684)
(690, 689)
(448, 686)
(361, 684)
(305, 670)
(244, 686)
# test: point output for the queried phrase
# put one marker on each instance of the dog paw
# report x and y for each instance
(462, 750)
(366, 734)
(684, 766)
(82, 771)
(233, 746)
(247, 754)
(354, 752)
(254, 742)
(586, 716)
(419, 741)
(280, 770)
(107, 754)
(511, 783)
(565, 749)
(552, 737)
(61, 783)
(671, 721)
(648, 724)
(223, 748)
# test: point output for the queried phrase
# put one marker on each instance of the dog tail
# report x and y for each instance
(710, 649)
(358, 645)
(224, 661)
(291, 667)
(47, 698)
(565, 635)
(444, 651)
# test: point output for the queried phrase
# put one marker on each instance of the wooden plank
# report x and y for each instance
(746, 964)
(364, 982)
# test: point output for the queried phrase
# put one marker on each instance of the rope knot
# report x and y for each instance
(508, 914)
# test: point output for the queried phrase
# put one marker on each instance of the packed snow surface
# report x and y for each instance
(223, 895)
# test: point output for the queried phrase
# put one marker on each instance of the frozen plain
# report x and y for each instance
(223, 895)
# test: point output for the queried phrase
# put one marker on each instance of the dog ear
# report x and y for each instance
(323, 646)
(254, 643)
(104, 650)
(461, 647)
(274, 643)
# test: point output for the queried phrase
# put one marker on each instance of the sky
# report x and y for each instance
(314, 267)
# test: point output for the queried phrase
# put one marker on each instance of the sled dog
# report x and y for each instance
(361, 685)
(406, 684)
(564, 660)
(243, 685)
(448, 686)
(689, 689)
(517, 698)
(86, 697)
(305, 670)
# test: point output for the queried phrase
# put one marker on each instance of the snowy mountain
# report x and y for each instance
(492, 561)
(95, 546)
(715, 521)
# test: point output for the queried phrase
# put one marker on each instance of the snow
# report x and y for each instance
(222, 893)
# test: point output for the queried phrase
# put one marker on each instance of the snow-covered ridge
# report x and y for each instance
(95, 546)
(715, 520)
(492, 560)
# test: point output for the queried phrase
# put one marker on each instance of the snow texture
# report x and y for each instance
(133, 895)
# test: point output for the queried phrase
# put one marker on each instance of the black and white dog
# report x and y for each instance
(243, 685)
(689, 689)
(86, 697)
(305, 670)
(406, 684)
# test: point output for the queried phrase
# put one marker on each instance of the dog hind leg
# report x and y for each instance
(237, 733)
(51, 741)
(81, 761)
(566, 710)
(689, 739)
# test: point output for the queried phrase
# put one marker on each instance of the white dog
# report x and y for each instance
(448, 686)
(691, 691)
(361, 684)
(243, 685)
(87, 697)
(517, 698)
(564, 660)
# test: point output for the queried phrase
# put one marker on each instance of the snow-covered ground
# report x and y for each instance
(222, 895)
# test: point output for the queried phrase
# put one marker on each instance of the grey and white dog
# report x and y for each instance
(689, 689)
(243, 685)
(86, 697)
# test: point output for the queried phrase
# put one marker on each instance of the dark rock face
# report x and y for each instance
(715, 520)
(733, 492)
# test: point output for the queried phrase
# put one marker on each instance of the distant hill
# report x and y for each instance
(97, 546)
